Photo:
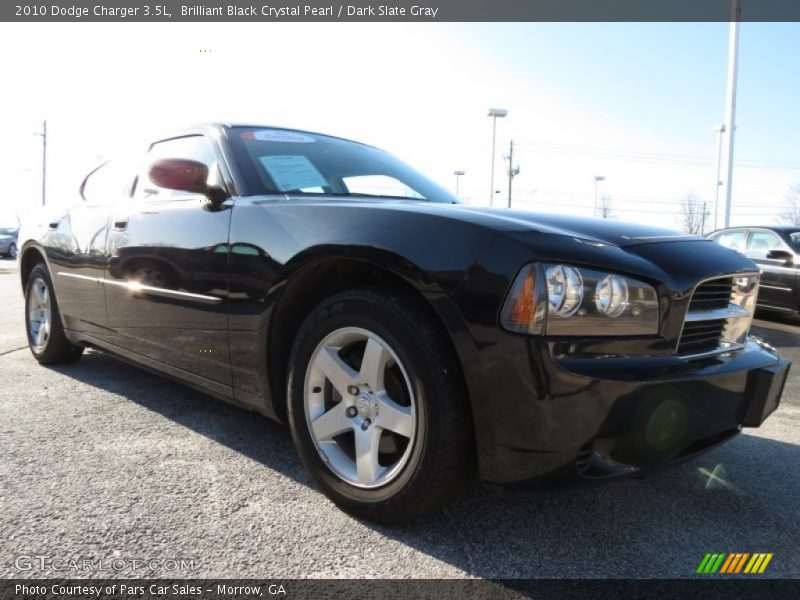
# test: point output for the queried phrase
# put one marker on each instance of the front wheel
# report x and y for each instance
(377, 405)
(46, 338)
(12, 251)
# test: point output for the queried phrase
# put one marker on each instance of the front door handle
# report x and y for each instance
(121, 224)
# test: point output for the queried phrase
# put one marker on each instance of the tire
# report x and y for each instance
(12, 251)
(422, 435)
(48, 343)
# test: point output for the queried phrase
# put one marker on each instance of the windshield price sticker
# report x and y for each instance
(292, 172)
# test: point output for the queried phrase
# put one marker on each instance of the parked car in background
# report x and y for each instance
(8, 241)
(404, 337)
(776, 251)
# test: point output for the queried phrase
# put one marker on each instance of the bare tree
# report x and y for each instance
(792, 214)
(694, 213)
(605, 207)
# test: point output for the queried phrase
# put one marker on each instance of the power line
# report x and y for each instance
(658, 157)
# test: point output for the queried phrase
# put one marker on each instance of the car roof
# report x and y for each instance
(216, 126)
(781, 228)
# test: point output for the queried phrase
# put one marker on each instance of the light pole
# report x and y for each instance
(720, 130)
(494, 113)
(458, 174)
(730, 121)
(43, 135)
(597, 179)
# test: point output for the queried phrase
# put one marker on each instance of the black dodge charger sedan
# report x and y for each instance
(776, 252)
(405, 338)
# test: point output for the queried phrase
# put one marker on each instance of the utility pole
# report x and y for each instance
(512, 170)
(43, 135)
(730, 121)
(703, 221)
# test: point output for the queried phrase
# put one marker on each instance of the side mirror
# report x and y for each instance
(786, 257)
(186, 176)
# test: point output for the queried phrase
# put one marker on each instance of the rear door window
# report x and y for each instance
(106, 184)
(731, 239)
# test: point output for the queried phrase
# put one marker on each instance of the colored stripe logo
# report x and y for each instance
(734, 562)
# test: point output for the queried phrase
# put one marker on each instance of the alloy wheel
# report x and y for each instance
(360, 407)
(39, 313)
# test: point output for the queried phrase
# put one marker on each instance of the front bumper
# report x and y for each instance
(601, 418)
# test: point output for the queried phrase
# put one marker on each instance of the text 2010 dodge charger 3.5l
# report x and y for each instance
(404, 337)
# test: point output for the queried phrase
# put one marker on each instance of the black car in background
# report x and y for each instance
(776, 251)
(404, 337)
(8, 241)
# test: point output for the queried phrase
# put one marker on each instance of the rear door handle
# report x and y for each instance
(121, 224)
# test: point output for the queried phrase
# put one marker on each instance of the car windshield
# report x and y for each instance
(8, 230)
(794, 240)
(282, 161)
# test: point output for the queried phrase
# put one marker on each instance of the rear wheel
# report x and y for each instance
(377, 406)
(46, 338)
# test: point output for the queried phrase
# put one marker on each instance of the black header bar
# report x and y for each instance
(396, 589)
(400, 10)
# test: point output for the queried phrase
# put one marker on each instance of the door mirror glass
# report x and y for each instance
(183, 175)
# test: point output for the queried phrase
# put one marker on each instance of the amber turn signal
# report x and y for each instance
(524, 308)
(520, 310)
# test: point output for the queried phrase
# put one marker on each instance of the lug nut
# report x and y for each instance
(352, 390)
(351, 411)
(365, 425)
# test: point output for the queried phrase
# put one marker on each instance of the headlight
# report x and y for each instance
(611, 296)
(563, 300)
(564, 290)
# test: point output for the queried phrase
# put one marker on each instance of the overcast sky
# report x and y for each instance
(633, 102)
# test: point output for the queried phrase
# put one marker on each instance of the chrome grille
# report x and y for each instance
(719, 314)
(701, 336)
(712, 294)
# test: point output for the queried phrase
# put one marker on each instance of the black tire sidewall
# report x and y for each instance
(369, 314)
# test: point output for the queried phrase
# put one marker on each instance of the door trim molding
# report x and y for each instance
(135, 287)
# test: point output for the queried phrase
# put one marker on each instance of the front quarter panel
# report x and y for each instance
(274, 239)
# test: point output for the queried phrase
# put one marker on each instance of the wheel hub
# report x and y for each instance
(367, 405)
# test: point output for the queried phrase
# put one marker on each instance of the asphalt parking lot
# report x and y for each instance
(101, 460)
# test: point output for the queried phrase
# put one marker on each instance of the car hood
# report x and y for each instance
(654, 253)
(601, 231)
